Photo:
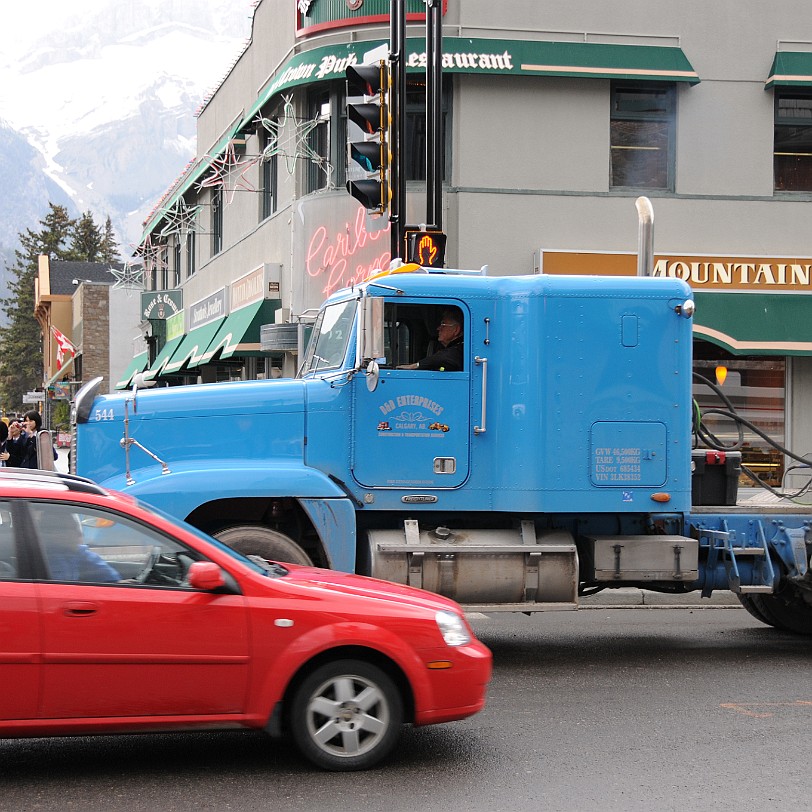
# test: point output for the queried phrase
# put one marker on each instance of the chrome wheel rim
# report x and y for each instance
(347, 716)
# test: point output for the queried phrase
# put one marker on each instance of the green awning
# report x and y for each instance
(608, 61)
(790, 69)
(755, 323)
(239, 334)
(138, 364)
(162, 359)
(189, 353)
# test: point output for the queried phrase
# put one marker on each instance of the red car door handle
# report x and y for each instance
(80, 608)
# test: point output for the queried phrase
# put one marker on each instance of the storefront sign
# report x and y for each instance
(700, 272)
(459, 56)
(175, 325)
(338, 254)
(207, 310)
(261, 283)
(161, 304)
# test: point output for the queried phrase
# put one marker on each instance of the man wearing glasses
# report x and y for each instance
(449, 334)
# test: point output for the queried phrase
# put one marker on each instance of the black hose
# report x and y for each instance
(712, 441)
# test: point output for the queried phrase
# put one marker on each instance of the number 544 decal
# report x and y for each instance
(104, 414)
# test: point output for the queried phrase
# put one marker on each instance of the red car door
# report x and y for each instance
(19, 629)
(123, 650)
(123, 634)
(19, 651)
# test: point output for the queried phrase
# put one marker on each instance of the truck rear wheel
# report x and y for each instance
(787, 610)
(264, 542)
(747, 602)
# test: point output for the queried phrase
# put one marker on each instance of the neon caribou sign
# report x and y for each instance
(348, 256)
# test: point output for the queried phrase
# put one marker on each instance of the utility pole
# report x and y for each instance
(434, 115)
(397, 181)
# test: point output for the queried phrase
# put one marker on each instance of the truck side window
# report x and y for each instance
(424, 336)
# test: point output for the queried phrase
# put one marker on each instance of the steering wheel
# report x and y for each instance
(149, 566)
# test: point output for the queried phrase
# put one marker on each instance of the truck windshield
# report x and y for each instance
(331, 333)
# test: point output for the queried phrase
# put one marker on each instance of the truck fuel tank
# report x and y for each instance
(488, 570)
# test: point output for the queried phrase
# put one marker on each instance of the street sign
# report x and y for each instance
(33, 397)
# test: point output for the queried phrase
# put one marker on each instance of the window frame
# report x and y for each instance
(788, 122)
(668, 92)
(191, 254)
(216, 221)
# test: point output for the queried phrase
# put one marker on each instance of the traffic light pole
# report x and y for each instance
(434, 113)
(397, 180)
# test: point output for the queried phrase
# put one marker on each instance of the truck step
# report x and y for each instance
(749, 590)
(757, 551)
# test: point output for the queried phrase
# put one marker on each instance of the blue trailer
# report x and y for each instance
(556, 462)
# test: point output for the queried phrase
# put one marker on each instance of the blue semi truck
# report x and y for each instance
(557, 462)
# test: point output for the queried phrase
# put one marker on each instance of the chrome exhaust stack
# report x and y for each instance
(645, 236)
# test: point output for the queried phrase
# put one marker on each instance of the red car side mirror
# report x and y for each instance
(205, 575)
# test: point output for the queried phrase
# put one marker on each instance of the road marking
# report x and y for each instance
(752, 708)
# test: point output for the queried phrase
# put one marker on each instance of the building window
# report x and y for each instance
(318, 141)
(792, 158)
(191, 266)
(756, 388)
(216, 221)
(162, 269)
(176, 261)
(268, 179)
(642, 131)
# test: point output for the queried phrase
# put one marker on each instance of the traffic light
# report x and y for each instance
(372, 117)
(426, 248)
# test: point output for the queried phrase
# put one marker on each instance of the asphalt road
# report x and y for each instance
(602, 709)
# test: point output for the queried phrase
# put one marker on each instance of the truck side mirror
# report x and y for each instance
(45, 450)
(373, 374)
(370, 330)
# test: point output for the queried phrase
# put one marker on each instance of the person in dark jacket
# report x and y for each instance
(14, 445)
(32, 423)
(449, 358)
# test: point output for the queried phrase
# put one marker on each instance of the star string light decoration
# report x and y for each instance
(289, 139)
(153, 255)
(130, 277)
(224, 173)
(180, 220)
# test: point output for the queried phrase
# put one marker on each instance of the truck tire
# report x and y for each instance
(346, 715)
(747, 602)
(262, 541)
(786, 610)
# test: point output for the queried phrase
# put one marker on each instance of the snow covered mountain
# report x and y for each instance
(97, 99)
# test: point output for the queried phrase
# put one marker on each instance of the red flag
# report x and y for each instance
(63, 345)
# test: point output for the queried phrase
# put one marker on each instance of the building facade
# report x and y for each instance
(82, 301)
(556, 117)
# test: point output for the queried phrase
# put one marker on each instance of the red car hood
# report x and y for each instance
(361, 585)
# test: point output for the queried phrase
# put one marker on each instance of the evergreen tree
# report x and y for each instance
(21, 339)
(86, 239)
(109, 245)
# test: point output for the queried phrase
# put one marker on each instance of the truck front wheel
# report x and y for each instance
(264, 542)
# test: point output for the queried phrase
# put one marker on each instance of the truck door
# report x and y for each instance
(413, 430)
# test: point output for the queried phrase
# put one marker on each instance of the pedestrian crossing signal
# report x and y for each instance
(426, 248)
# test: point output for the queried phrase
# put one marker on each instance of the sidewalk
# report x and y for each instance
(629, 597)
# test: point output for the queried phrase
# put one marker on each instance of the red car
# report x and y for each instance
(116, 619)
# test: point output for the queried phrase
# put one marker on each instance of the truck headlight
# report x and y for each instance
(452, 628)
